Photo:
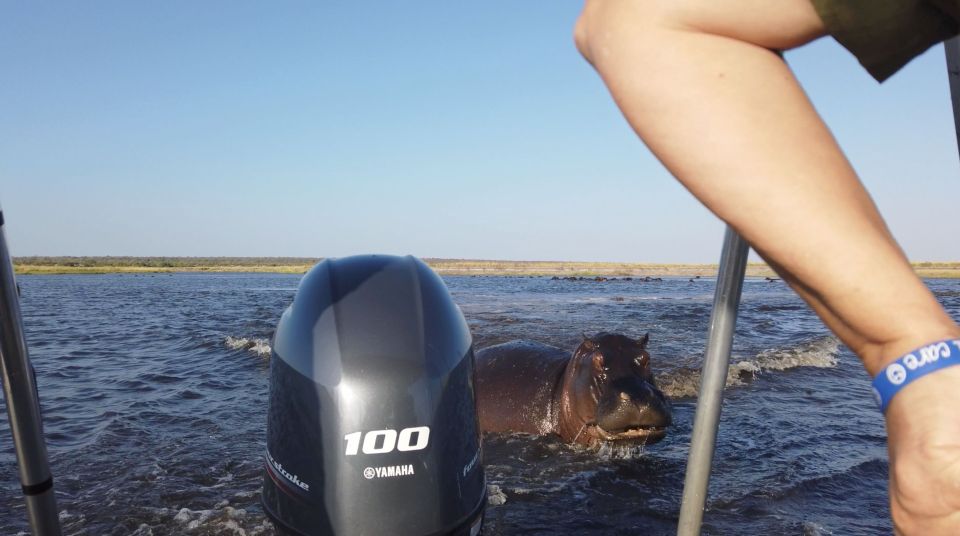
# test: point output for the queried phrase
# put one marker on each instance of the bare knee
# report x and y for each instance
(581, 31)
(593, 22)
(604, 25)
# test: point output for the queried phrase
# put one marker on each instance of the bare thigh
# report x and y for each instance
(772, 24)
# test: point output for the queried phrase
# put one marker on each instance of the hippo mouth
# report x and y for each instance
(635, 434)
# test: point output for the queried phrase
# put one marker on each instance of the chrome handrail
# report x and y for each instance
(23, 405)
(713, 378)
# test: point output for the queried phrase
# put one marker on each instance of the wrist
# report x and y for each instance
(912, 366)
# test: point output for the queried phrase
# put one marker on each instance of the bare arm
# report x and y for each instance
(699, 83)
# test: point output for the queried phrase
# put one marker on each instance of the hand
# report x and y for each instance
(923, 429)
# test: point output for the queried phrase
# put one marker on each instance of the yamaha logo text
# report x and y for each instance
(388, 472)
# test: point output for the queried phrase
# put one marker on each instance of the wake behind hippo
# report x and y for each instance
(603, 392)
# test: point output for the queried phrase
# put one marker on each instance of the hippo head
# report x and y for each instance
(609, 394)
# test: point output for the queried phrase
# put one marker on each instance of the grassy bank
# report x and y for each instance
(298, 265)
(35, 269)
(113, 265)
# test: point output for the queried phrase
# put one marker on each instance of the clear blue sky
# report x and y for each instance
(440, 129)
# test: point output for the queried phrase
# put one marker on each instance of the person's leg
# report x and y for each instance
(699, 83)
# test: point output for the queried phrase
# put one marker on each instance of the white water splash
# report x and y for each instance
(821, 353)
(258, 346)
(222, 517)
(495, 495)
(814, 529)
(612, 451)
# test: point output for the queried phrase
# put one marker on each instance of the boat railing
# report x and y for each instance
(23, 404)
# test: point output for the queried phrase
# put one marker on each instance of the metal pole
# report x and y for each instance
(23, 406)
(713, 378)
(951, 48)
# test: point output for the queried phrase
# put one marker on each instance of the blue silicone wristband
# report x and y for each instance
(916, 364)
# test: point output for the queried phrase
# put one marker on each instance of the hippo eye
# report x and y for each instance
(641, 361)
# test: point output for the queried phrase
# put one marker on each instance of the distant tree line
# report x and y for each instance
(162, 262)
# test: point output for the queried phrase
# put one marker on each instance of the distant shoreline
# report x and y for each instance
(299, 265)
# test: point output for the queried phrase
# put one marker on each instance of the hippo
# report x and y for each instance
(604, 392)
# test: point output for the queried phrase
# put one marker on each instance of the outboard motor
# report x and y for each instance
(372, 427)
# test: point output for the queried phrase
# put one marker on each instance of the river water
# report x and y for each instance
(154, 392)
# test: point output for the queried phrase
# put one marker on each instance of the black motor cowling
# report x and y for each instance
(372, 426)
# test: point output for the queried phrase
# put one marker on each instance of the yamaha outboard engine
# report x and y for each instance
(372, 427)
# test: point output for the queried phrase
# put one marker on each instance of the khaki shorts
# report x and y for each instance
(886, 34)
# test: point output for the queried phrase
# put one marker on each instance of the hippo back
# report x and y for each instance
(515, 386)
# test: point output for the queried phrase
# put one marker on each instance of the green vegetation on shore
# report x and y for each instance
(296, 265)
(113, 265)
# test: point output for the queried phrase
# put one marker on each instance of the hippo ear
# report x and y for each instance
(644, 340)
